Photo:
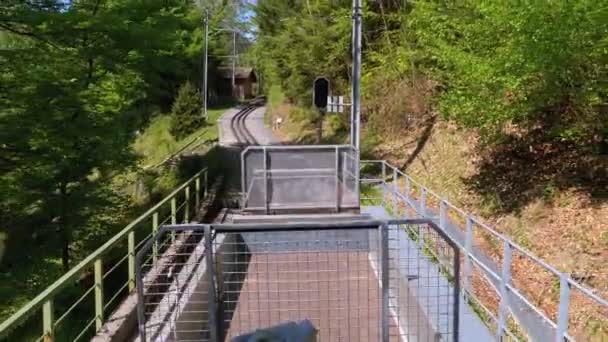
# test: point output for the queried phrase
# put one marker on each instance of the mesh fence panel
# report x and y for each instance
(325, 277)
(299, 177)
(243, 279)
(423, 272)
(174, 297)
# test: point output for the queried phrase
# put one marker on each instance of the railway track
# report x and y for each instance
(238, 126)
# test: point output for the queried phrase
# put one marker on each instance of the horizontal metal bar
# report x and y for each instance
(294, 171)
(588, 292)
(330, 148)
(258, 227)
(520, 295)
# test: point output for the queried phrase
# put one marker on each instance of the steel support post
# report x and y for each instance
(468, 249)
(395, 196)
(408, 190)
(243, 178)
(443, 213)
(154, 231)
(385, 281)
(423, 192)
(48, 321)
(131, 257)
(173, 216)
(564, 305)
(384, 183)
(213, 319)
(187, 204)
(99, 301)
(266, 204)
(197, 192)
(337, 166)
(503, 308)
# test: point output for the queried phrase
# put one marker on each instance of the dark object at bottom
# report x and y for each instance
(302, 331)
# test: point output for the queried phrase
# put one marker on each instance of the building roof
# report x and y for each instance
(239, 72)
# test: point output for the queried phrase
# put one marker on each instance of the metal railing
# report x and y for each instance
(517, 294)
(364, 280)
(113, 269)
(316, 177)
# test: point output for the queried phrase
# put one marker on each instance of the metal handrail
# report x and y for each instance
(389, 181)
(94, 260)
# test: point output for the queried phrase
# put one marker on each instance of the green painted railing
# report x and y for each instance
(113, 279)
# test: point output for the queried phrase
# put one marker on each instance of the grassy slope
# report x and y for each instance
(156, 143)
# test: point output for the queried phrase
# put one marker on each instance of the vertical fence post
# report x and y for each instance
(98, 270)
(344, 168)
(443, 213)
(173, 211)
(173, 216)
(337, 180)
(468, 249)
(356, 166)
(385, 269)
(48, 321)
(395, 194)
(423, 202)
(244, 185)
(383, 183)
(503, 308)
(564, 305)
(456, 294)
(213, 298)
(154, 231)
(131, 253)
(187, 204)
(205, 184)
(408, 189)
(197, 192)
(266, 204)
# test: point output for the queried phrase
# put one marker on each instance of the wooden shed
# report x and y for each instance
(245, 82)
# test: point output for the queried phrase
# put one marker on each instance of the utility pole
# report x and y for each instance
(205, 67)
(233, 61)
(355, 123)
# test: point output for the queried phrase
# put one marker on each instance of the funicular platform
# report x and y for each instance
(302, 261)
(352, 281)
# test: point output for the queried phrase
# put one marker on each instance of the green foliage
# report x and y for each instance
(309, 40)
(518, 63)
(77, 79)
(275, 96)
(156, 143)
(186, 111)
(496, 65)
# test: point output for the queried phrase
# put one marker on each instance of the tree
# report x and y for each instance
(186, 111)
(76, 80)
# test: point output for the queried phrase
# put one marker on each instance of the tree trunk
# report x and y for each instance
(64, 227)
(65, 255)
